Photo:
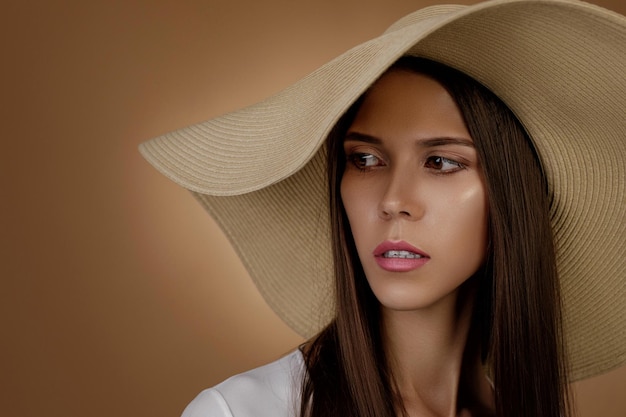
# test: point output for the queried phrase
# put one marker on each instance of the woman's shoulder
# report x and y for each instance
(270, 390)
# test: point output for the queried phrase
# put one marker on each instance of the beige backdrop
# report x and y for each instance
(118, 295)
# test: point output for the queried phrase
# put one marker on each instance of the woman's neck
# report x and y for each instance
(432, 358)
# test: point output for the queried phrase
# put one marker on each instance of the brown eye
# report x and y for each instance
(439, 163)
(364, 160)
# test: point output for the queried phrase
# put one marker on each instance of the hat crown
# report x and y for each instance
(423, 14)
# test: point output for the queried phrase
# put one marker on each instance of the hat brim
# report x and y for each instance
(559, 65)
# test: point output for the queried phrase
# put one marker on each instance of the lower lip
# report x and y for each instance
(400, 264)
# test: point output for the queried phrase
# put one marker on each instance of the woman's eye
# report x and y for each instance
(444, 165)
(364, 160)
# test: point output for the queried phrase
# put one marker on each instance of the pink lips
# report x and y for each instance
(401, 256)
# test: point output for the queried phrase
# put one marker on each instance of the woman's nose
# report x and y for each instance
(401, 197)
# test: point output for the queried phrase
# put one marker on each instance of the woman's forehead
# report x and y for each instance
(404, 102)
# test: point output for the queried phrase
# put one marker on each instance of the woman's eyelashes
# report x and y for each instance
(364, 161)
(438, 164)
(443, 165)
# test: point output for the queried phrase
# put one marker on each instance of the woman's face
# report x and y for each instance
(413, 193)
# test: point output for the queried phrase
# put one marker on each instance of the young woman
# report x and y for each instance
(449, 236)
(422, 230)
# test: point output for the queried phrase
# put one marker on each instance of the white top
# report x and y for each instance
(272, 390)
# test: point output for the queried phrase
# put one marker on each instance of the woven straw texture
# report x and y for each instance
(559, 65)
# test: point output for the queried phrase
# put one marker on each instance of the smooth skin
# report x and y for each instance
(413, 175)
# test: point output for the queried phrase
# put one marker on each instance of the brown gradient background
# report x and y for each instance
(118, 295)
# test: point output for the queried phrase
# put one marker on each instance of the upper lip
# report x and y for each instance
(388, 245)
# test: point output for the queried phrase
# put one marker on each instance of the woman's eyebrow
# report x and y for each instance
(427, 143)
(362, 137)
(432, 142)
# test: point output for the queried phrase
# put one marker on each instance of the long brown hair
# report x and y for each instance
(516, 323)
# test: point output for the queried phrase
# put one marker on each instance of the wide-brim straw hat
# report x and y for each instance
(560, 65)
